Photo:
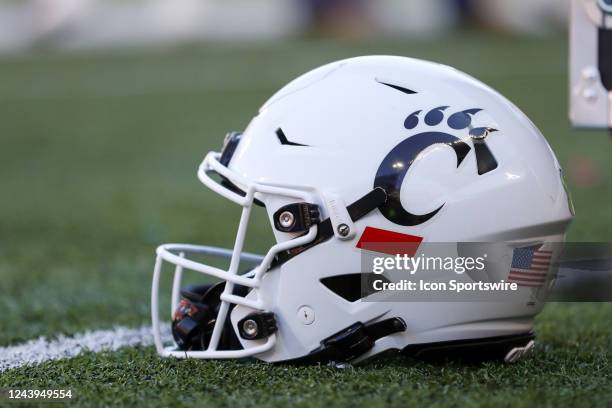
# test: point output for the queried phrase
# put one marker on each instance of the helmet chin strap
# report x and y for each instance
(325, 231)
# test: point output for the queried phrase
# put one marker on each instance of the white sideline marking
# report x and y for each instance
(42, 349)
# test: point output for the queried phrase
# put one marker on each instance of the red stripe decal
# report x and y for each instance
(389, 242)
(513, 272)
(516, 279)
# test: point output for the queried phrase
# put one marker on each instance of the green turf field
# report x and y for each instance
(98, 154)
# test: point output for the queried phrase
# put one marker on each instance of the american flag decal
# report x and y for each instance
(530, 266)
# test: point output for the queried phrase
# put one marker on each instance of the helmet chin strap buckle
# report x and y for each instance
(342, 224)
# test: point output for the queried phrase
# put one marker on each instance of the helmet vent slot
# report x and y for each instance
(352, 286)
(283, 139)
(396, 87)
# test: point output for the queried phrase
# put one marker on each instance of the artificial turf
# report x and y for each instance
(98, 153)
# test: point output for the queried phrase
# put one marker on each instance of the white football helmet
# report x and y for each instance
(369, 149)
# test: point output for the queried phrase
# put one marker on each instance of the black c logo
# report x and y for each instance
(395, 165)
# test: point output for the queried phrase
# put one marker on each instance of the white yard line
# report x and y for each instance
(43, 349)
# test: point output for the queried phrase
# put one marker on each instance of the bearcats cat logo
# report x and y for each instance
(397, 162)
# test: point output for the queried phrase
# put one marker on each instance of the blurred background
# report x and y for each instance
(84, 24)
(108, 106)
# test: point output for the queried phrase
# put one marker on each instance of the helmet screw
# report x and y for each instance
(343, 230)
(250, 328)
(286, 219)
